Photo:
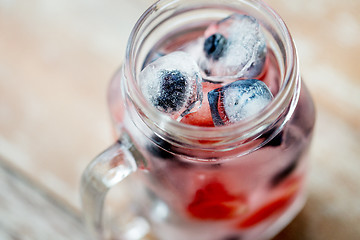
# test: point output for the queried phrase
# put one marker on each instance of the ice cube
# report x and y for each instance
(238, 100)
(172, 83)
(234, 47)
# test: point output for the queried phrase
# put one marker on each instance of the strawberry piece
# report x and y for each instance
(213, 202)
(291, 189)
(267, 210)
(202, 117)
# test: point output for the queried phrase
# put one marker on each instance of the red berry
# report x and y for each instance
(213, 202)
(289, 189)
(202, 117)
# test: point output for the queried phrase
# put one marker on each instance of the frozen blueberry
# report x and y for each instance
(238, 100)
(172, 91)
(237, 48)
(214, 46)
(172, 84)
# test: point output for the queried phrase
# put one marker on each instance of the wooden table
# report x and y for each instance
(56, 58)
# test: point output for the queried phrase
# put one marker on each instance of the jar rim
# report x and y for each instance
(166, 127)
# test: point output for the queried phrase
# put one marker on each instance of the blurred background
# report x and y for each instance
(56, 60)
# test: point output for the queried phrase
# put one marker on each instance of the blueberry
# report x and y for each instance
(172, 91)
(165, 151)
(285, 172)
(215, 45)
(241, 53)
(276, 141)
(238, 100)
(217, 113)
(233, 237)
(160, 148)
(172, 84)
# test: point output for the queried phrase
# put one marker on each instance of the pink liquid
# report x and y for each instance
(236, 196)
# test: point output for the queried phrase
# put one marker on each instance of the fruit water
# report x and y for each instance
(248, 192)
(187, 40)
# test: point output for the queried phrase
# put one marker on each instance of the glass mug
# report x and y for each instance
(239, 181)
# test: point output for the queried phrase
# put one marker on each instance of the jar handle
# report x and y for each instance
(108, 169)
